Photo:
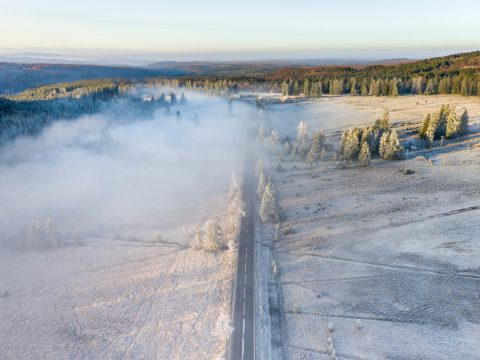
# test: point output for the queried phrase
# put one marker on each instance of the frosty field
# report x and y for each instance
(126, 199)
(385, 264)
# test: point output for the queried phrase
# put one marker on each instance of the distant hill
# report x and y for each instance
(18, 77)
(450, 65)
(255, 68)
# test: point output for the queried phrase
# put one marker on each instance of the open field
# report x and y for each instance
(127, 199)
(333, 112)
(387, 265)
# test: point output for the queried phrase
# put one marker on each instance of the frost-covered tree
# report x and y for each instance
(261, 184)
(173, 98)
(351, 147)
(183, 99)
(273, 138)
(269, 210)
(314, 91)
(364, 158)
(336, 87)
(285, 88)
(393, 88)
(302, 136)
(463, 127)
(313, 155)
(213, 236)
(296, 88)
(353, 89)
(261, 133)
(323, 154)
(288, 148)
(306, 88)
(452, 125)
(425, 125)
(52, 234)
(364, 88)
(390, 148)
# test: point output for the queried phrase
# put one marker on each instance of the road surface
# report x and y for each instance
(242, 345)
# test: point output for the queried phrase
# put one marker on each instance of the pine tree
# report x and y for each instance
(183, 99)
(261, 184)
(302, 136)
(268, 205)
(173, 98)
(383, 123)
(372, 85)
(364, 158)
(352, 145)
(363, 88)
(383, 147)
(463, 127)
(444, 86)
(284, 88)
(306, 88)
(323, 154)
(393, 88)
(464, 89)
(314, 93)
(273, 138)
(430, 89)
(452, 125)
(353, 90)
(377, 90)
(395, 150)
(317, 144)
(213, 236)
(296, 88)
(425, 125)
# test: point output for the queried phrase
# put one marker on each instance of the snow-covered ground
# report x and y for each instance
(126, 199)
(385, 264)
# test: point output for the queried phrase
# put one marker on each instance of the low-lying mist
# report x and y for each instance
(102, 176)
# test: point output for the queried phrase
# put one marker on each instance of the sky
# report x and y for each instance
(241, 29)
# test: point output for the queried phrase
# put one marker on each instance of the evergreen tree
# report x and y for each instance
(183, 99)
(213, 236)
(353, 90)
(430, 90)
(390, 147)
(352, 145)
(425, 125)
(284, 88)
(261, 184)
(306, 88)
(463, 127)
(376, 90)
(464, 89)
(268, 206)
(314, 91)
(273, 138)
(444, 86)
(323, 154)
(393, 88)
(363, 88)
(364, 158)
(302, 136)
(371, 88)
(296, 88)
(315, 149)
(452, 125)
(173, 98)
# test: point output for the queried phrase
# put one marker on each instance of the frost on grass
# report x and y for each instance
(39, 235)
(221, 231)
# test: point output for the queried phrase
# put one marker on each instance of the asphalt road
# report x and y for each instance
(242, 345)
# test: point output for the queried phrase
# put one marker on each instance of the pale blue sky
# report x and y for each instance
(280, 28)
